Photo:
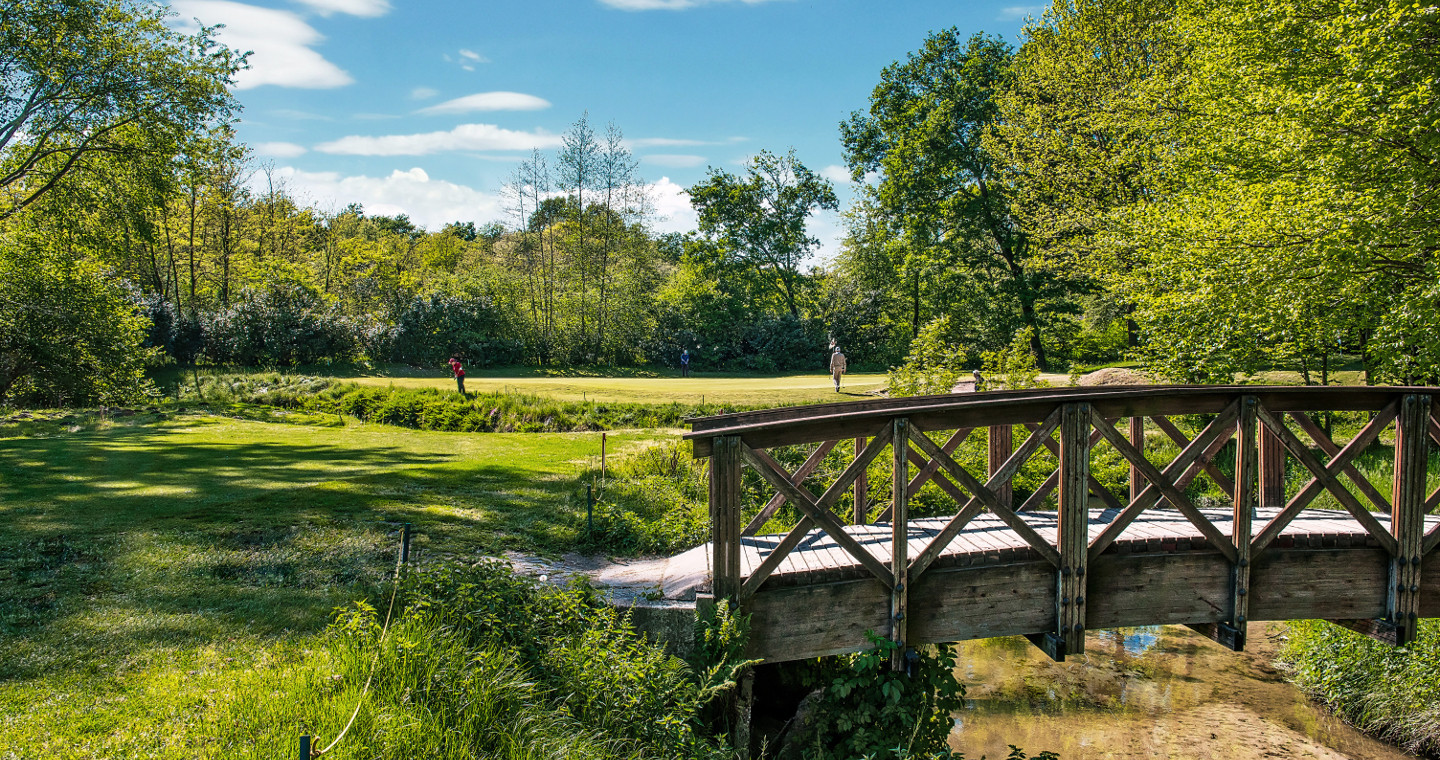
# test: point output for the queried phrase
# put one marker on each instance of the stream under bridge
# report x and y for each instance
(1048, 512)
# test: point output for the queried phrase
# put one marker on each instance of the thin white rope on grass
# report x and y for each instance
(374, 662)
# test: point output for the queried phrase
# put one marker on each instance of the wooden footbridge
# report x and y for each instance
(1053, 559)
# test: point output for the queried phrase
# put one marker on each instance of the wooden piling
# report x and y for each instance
(1407, 518)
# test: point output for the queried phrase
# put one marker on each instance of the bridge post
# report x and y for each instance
(1074, 525)
(725, 470)
(862, 487)
(1407, 519)
(1001, 440)
(1272, 470)
(1247, 471)
(1137, 439)
(900, 540)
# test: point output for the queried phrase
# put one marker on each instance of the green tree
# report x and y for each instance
(944, 190)
(759, 220)
(81, 79)
(68, 334)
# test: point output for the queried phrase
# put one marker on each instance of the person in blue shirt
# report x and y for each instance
(684, 362)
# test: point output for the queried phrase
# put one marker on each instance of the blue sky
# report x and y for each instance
(424, 107)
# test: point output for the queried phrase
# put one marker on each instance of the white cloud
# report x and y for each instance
(433, 203)
(673, 212)
(1016, 12)
(423, 93)
(668, 5)
(489, 101)
(369, 8)
(278, 149)
(673, 160)
(462, 138)
(837, 174)
(430, 203)
(280, 40)
(471, 55)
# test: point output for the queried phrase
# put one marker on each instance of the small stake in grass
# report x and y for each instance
(602, 459)
(405, 545)
(305, 747)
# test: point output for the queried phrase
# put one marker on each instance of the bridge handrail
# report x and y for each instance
(820, 422)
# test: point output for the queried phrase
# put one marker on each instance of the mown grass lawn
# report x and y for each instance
(629, 386)
(154, 571)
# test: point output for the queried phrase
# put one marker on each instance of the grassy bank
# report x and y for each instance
(1390, 693)
(168, 578)
(614, 386)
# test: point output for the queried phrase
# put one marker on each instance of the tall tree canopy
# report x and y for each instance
(759, 220)
(81, 79)
(1254, 178)
(943, 189)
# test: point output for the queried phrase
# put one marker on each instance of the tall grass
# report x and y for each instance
(1391, 693)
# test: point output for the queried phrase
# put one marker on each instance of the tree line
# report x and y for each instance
(1213, 187)
(1218, 186)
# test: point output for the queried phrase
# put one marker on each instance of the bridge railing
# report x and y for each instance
(1070, 424)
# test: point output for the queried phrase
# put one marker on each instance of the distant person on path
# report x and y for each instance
(684, 362)
(459, 370)
(979, 381)
(837, 367)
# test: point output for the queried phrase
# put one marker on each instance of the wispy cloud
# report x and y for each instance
(297, 115)
(466, 137)
(489, 101)
(278, 149)
(423, 93)
(673, 160)
(669, 5)
(280, 40)
(1015, 12)
(676, 142)
(466, 58)
(367, 8)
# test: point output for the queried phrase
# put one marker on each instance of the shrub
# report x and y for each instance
(934, 365)
(281, 326)
(869, 710)
(430, 328)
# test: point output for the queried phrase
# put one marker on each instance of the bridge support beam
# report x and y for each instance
(1231, 633)
(1407, 518)
(1074, 536)
(1001, 445)
(1272, 470)
(862, 488)
(900, 540)
(725, 470)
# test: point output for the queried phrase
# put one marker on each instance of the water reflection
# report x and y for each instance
(1142, 693)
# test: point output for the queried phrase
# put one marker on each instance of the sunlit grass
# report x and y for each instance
(157, 574)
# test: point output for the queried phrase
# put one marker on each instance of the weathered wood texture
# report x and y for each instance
(1407, 519)
(900, 538)
(1074, 534)
(725, 516)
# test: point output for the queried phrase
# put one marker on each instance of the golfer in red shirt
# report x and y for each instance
(459, 371)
